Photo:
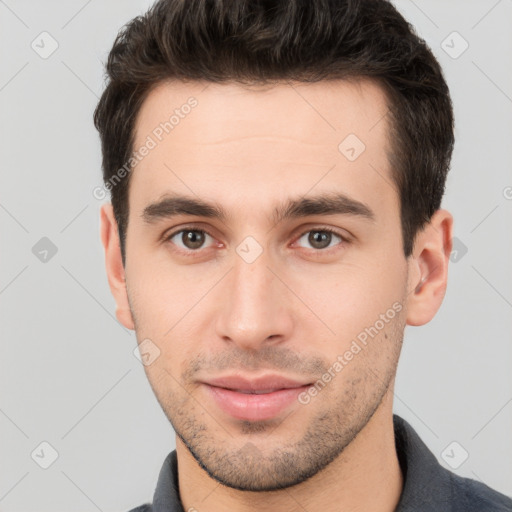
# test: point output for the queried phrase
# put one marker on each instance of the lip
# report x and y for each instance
(254, 399)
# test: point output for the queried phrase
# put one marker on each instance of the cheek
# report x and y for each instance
(351, 296)
(170, 306)
(161, 293)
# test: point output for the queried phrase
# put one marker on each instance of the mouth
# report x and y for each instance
(257, 399)
(254, 391)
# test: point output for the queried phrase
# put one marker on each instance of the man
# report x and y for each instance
(276, 173)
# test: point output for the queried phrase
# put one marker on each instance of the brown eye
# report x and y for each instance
(192, 239)
(320, 238)
(189, 239)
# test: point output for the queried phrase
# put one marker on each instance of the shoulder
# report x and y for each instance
(473, 496)
(142, 508)
(430, 487)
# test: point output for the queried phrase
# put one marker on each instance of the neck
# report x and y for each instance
(366, 476)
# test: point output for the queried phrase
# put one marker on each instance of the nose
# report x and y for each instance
(255, 307)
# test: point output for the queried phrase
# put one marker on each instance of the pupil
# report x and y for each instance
(321, 241)
(193, 239)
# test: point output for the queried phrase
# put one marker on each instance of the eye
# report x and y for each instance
(189, 239)
(320, 239)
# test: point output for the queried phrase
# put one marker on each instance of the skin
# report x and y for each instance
(293, 310)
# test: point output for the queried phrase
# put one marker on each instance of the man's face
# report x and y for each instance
(257, 301)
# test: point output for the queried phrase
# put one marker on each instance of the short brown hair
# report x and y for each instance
(262, 41)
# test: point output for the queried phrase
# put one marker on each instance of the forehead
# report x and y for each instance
(262, 141)
(296, 109)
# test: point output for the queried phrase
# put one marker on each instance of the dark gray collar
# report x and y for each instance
(427, 484)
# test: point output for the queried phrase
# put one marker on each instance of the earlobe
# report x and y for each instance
(114, 265)
(428, 268)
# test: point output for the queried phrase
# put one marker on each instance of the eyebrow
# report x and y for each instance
(324, 204)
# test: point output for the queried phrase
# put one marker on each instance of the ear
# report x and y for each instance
(114, 265)
(428, 268)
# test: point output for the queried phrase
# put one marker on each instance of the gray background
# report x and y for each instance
(68, 375)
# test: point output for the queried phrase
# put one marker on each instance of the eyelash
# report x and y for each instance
(344, 239)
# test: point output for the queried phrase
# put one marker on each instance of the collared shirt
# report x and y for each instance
(428, 486)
